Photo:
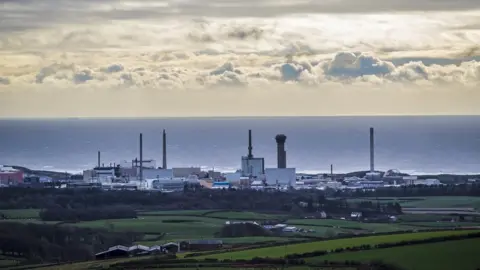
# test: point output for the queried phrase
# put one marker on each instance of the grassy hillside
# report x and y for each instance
(281, 251)
(459, 254)
(21, 213)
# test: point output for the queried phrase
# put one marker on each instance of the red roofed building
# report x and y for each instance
(9, 175)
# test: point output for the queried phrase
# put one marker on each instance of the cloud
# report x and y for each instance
(243, 48)
(113, 68)
(357, 64)
(203, 71)
(4, 81)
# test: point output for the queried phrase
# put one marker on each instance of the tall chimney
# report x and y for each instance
(281, 153)
(164, 150)
(141, 157)
(372, 152)
(98, 159)
(250, 155)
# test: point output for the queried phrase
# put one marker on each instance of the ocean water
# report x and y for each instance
(412, 144)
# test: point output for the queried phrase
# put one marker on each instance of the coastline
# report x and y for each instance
(448, 177)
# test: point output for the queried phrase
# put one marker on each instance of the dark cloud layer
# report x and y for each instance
(28, 14)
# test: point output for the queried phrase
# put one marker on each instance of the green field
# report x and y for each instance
(227, 240)
(459, 254)
(175, 212)
(281, 251)
(21, 213)
(352, 225)
(244, 215)
(175, 227)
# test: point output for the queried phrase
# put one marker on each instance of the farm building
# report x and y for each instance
(123, 251)
(171, 247)
(201, 245)
(113, 252)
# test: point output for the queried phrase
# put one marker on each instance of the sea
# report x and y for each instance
(410, 144)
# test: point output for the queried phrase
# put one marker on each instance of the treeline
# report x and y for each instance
(312, 203)
(21, 198)
(417, 190)
(58, 213)
(52, 243)
(172, 262)
(243, 230)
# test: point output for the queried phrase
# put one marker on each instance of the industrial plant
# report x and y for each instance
(144, 174)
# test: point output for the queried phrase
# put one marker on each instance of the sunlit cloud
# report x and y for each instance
(218, 50)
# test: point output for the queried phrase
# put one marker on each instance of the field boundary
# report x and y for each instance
(190, 255)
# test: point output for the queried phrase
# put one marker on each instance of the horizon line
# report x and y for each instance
(232, 117)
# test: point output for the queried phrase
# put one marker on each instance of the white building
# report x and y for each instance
(280, 176)
(102, 175)
(427, 182)
(254, 166)
(232, 177)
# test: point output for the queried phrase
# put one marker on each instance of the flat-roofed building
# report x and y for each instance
(10, 176)
(280, 176)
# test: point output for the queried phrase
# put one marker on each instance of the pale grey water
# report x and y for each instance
(411, 144)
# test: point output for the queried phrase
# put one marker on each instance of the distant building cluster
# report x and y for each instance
(144, 174)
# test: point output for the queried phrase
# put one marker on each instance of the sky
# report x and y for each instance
(177, 58)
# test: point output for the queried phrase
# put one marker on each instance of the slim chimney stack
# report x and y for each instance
(372, 150)
(141, 157)
(250, 155)
(281, 153)
(98, 159)
(164, 150)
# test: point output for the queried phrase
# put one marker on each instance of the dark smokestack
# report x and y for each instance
(164, 149)
(141, 156)
(98, 159)
(372, 150)
(281, 153)
(331, 171)
(250, 155)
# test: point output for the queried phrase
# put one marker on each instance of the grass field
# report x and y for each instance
(459, 254)
(352, 225)
(175, 212)
(21, 213)
(185, 227)
(244, 215)
(281, 251)
(228, 240)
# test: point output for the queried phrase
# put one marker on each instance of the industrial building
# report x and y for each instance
(186, 171)
(280, 176)
(252, 166)
(10, 176)
(144, 174)
(221, 185)
(168, 185)
(141, 173)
